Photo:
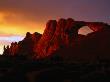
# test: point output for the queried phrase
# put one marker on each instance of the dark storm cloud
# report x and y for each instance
(90, 10)
(40, 9)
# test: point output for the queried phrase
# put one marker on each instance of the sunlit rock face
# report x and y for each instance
(43, 44)
(57, 35)
(56, 40)
(62, 36)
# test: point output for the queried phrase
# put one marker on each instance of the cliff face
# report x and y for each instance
(57, 35)
(42, 45)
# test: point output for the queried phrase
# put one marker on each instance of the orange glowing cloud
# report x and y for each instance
(13, 23)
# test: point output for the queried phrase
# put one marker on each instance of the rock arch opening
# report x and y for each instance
(84, 30)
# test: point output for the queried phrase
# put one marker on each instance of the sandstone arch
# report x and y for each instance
(95, 26)
(62, 33)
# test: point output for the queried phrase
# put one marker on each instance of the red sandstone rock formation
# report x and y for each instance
(42, 45)
(62, 34)
(62, 37)
(57, 35)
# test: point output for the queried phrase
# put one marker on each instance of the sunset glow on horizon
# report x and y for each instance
(13, 29)
(20, 16)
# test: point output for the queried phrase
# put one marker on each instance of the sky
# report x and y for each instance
(20, 16)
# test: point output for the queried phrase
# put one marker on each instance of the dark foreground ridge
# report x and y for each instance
(60, 54)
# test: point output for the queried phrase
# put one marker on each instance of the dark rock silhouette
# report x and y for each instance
(89, 47)
(27, 45)
(24, 47)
